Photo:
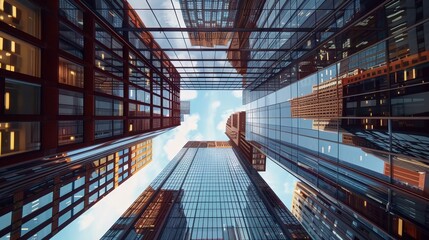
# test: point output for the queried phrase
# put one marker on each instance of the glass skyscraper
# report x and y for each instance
(346, 113)
(208, 191)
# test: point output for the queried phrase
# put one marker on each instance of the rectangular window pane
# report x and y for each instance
(36, 204)
(16, 97)
(103, 129)
(118, 127)
(71, 41)
(71, 12)
(66, 216)
(70, 132)
(70, 73)
(21, 15)
(19, 137)
(19, 56)
(103, 106)
(5, 220)
(70, 103)
(36, 221)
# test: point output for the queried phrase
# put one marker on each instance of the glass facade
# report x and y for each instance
(348, 118)
(207, 192)
(45, 196)
(91, 83)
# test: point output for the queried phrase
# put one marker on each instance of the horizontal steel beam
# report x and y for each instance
(216, 77)
(212, 73)
(226, 67)
(220, 59)
(221, 49)
(197, 29)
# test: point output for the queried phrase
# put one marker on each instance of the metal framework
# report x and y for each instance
(198, 59)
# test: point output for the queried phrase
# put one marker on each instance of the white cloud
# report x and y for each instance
(85, 221)
(181, 135)
(237, 93)
(287, 188)
(225, 115)
(186, 95)
(215, 105)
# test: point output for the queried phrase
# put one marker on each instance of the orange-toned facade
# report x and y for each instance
(236, 132)
(42, 202)
(89, 83)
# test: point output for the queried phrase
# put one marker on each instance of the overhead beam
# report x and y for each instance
(221, 49)
(196, 29)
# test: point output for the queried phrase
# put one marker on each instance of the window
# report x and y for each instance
(36, 204)
(36, 221)
(5, 220)
(70, 132)
(21, 15)
(17, 95)
(70, 103)
(71, 41)
(108, 107)
(66, 189)
(19, 56)
(63, 218)
(71, 13)
(70, 73)
(103, 129)
(18, 137)
(108, 85)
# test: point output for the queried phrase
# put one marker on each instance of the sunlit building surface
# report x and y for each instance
(236, 130)
(37, 202)
(324, 220)
(208, 191)
(345, 111)
(209, 14)
(71, 79)
(185, 109)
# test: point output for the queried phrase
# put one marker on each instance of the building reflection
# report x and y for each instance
(236, 131)
(43, 197)
(354, 129)
(208, 191)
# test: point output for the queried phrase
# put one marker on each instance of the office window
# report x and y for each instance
(108, 85)
(5, 220)
(71, 13)
(71, 41)
(19, 137)
(43, 233)
(70, 132)
(70, 73)
(36, 204)
(22, 15)
(118, 127)
(19, 56)
(63, 218)
(70, 103)
(36, 221)
(16, 97)
(103, 129)
(78, 208)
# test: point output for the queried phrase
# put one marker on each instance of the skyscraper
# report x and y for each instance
(80, 101)
(345, 111)
(324, 220)
(208, 191)
(72, 79)
(185, 109)
(39, 200)
(236, 132)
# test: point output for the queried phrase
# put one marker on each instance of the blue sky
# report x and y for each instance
(209, 112)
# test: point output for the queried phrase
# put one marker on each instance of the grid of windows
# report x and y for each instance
(204, 193)
(349, 128)
(61, 196)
